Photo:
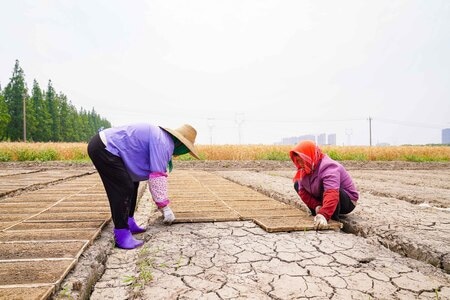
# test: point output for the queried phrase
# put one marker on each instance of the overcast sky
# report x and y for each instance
(244, 71)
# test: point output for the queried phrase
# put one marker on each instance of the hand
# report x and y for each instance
(320, 222)
(168, 215)
(318, 207)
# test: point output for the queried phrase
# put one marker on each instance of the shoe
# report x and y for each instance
(125, 240)
(134, 228)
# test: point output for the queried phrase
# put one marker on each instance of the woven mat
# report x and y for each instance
(199, 196)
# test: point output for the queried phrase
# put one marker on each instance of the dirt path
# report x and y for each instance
(239, 260)
(390, 248)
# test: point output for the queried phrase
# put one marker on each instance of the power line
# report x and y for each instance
(410, 124)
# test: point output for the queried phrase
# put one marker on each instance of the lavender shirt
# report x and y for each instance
(329, 175)
(144, 148)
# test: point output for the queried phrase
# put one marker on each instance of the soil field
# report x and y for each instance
(403, 206)
(395, 245)
(45, 225)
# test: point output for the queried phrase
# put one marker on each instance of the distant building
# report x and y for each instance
(332, 139)
(289, 141)
(446, 136)
(307, 137)
(322, 139)
(296, 139)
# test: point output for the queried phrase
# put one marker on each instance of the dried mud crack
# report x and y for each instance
(393, 246)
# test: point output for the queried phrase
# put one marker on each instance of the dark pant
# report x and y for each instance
(344, 206)
(119, 187)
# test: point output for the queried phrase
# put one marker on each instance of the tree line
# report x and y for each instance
(49, 116)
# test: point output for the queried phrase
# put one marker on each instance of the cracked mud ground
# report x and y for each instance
(395, 245)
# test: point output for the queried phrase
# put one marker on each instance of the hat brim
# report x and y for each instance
(192, 150)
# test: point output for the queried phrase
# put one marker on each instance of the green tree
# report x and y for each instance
(40, 127)
(69, 115)
(14, 95)
(73, 123)
(52, 101)
(49, 116)
(4, 116)
(30, 118)
(94, 123)
(84, 123)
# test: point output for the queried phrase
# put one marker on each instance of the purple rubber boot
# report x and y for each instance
(125, 240)
(134, 228)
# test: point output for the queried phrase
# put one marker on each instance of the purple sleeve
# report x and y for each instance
(144, 148)
(348, 185)
(335, 176)
(331, 177)
(160, 151)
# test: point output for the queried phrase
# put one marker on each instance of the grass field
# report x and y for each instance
(77, 152)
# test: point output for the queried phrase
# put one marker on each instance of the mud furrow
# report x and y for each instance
(408, 229)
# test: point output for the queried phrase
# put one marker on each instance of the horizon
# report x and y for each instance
(250, 72)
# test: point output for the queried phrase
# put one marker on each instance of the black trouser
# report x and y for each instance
(344, 206)
(119, 187)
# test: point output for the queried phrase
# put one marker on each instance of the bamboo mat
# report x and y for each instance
(199, 196)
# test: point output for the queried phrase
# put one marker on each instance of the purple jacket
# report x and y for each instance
(144, 148)
(329, 175)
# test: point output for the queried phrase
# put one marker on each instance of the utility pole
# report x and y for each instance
(211, 126)
(24, 117)
(370, 131)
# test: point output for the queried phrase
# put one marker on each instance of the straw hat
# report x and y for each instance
(185, 134)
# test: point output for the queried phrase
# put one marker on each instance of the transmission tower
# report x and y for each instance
(239, 119)
(210, 122)
(348, 133)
